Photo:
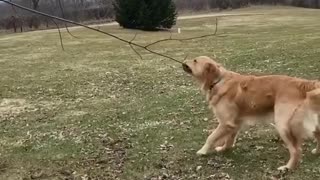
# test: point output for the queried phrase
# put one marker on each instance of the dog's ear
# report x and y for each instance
(210, 74)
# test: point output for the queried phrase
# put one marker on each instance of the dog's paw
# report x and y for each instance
(220, 148)
(202, 152)
(283, 168)
(315, 151)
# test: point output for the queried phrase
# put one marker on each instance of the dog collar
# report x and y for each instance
(214, 84)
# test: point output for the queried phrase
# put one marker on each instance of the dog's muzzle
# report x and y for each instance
(186, 68)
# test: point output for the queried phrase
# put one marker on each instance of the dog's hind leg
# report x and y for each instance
(289, 132)
(293, 144)
(313, 102)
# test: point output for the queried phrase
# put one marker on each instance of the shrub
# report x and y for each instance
(145, 14)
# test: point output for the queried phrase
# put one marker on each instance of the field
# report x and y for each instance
(97, 111)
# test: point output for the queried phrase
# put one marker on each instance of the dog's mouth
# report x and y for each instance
(186, 68)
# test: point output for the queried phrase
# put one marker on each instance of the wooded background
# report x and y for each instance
(93, 11)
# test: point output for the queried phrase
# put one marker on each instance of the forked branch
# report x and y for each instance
(134, 37)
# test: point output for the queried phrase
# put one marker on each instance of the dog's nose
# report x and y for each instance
(186, 68)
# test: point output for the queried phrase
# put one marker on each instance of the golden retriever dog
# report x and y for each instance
(236, 100)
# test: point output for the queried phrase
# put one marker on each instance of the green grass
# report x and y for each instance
(97, 111)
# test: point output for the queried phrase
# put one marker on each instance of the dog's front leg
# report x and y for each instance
(219, 133)
(316, 134)
(229, 142)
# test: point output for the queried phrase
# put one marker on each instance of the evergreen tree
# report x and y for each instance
(145, 14)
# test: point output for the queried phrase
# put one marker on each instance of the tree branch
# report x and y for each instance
(131, 43)
(88, 27)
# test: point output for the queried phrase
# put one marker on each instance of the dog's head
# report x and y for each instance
(204, 69)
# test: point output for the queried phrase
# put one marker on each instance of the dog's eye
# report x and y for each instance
(195, 61)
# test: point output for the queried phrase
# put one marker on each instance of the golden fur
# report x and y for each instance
(292, 103)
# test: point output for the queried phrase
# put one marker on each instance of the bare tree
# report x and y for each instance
(35, 4)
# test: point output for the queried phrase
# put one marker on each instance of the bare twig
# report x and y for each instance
(134, 37)
(185, 39)
(59, 34)
(63, 16)
(186, 57)
(135, 51)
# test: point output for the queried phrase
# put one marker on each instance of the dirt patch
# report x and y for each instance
(10, 108)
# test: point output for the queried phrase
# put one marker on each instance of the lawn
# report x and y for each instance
(97, 111)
